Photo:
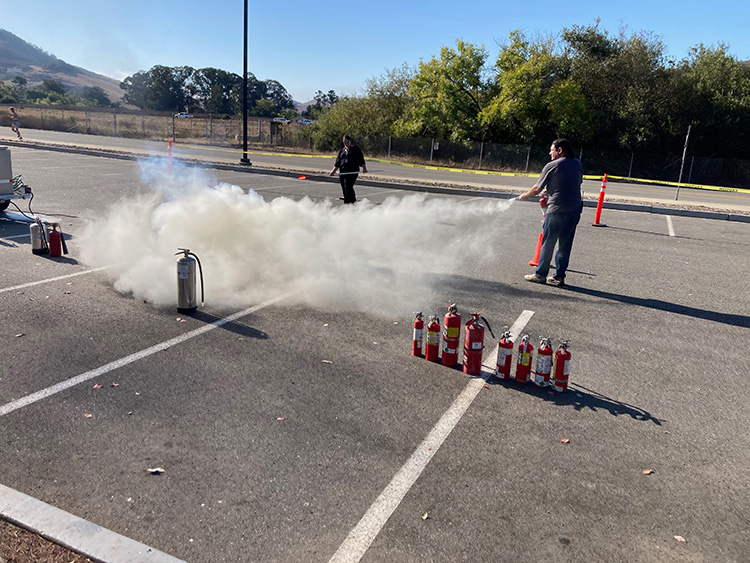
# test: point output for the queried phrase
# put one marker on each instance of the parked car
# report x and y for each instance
(280, 120)
(183, 114)
(304, 122)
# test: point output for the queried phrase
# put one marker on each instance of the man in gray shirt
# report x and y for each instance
(561, 179)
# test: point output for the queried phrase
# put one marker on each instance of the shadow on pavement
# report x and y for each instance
(580, 398)
(237, 328)
(658, 304)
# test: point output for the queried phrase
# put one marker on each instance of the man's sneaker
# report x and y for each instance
(534, 278)
(555, 281)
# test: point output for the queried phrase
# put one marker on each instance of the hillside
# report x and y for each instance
(19, 58)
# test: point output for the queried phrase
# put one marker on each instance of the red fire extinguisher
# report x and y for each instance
(523, 362)
(543, 363)
(543, 204)
(416, 345)
(451, 341)
(56, 240)
(504, 357)
(562, 367)
(474, 344)
(432, 348)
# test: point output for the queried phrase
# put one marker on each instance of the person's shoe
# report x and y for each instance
(533, 278)
(552, 280)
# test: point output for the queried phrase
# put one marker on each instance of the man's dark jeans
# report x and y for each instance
(559, 228)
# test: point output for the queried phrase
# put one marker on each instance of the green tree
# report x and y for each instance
(448, 95)
(213, 90)
(95, 96)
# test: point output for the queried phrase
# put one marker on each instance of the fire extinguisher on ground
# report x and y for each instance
(523, 362)
(451, 332)
(432, 348)
(57, 246)
(504, 357)
(187, 299)
(474, 344)
(562, 367)
(416, 345)
(38, 233)
(543, 363)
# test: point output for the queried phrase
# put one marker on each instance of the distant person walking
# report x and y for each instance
(348, 161)
(15, 125)
(561, 179)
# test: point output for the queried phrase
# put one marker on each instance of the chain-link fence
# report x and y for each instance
(222, 130)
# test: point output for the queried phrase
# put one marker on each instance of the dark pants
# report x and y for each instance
(347, 186)
(559, 228)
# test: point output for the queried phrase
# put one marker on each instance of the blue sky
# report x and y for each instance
(309, 46)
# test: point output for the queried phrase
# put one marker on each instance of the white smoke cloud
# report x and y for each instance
(363, 257)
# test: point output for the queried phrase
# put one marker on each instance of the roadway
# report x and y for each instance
(290, 418)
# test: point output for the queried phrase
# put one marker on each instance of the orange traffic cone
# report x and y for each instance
(535, 260)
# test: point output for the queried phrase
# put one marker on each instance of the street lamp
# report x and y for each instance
(244, 159)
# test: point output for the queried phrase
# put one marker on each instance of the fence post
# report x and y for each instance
(690, 174)
(630, 170)
(432, 146)
(114, 117)
(88, 123)
(389, 147)
(528, 156)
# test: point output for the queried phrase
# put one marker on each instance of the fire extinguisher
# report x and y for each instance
(523, 361)
(543, 363)
(504, 357)
(57, 246)
(38, 238)
(474, 344)
(543, 204)
(432, 348)
(562, 367)
(186, 293)
(416, 344)
(451, 331)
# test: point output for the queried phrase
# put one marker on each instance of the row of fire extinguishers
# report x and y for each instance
(49, 242)
(551, 369)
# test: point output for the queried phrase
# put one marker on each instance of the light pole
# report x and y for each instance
(244, 159)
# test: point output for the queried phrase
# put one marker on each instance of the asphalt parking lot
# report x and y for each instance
(289, 413)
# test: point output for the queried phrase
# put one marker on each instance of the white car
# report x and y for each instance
(280, 120)
(183, 114)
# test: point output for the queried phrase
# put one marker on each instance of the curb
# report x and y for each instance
(75, 533)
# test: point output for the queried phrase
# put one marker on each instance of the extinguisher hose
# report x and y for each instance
(200, 270)
(488, 326)
(62, 240)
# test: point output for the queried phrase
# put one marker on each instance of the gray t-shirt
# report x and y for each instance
(562, 178)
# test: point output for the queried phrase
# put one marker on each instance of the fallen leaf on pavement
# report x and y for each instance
(20, 334)
(115, 385)
(88, 415)
(648, 471)
(180, 320)
(425, 516)
(680, 538)
(565, 440)
(156, 470)
(98, 386)
(327, 361)
(281, 418)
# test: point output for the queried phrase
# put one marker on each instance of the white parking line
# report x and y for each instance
(49, 280)
(359, 539)
(68, 383)
(670, 228)
(18, 236)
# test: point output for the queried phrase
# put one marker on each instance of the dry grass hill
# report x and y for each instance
(19, 58)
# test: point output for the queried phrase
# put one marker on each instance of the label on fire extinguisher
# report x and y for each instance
(418, 334)
(183, 271)
(543, 364)
(451, 331)
(432, 338)
(524, 359)
(476, 345)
